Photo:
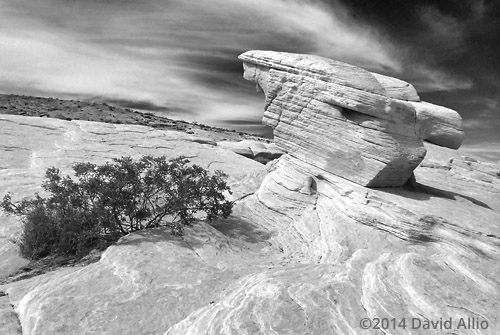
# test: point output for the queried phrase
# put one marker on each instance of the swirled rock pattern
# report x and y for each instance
(365, 127)
(304, 252)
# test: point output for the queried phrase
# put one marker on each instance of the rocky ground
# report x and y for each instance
(303, 253)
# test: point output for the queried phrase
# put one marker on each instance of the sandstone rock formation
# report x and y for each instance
(365, 127)
(301, 254)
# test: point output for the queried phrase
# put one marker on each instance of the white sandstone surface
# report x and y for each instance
(304, 252)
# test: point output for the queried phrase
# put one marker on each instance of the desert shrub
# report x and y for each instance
(106, 202)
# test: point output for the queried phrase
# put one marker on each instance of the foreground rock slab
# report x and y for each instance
(365, 127)
(301, 254)
(28, 146)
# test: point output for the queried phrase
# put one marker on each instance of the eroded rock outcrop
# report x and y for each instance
(300, 254)
(362, 126)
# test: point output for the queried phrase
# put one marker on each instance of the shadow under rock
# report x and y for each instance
(417, 191)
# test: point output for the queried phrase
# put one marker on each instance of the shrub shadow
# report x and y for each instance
(150, 235)
(232, 227)
(240, 229)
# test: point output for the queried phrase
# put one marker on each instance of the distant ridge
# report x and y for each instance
(103, 112)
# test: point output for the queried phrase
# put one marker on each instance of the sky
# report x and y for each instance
(179, 57)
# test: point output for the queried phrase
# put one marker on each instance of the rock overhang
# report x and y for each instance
(359, 125)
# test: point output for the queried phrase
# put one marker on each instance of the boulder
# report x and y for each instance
(365, 127)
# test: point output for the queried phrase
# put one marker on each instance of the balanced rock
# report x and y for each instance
(365, 127)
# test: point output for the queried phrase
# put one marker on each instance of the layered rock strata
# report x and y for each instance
(299, 255)
(362, 126)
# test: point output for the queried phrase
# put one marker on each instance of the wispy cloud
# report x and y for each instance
(486, 115)
(480, 121)
(177, 53)
(332, 30)
(427, 78)
(442, 28)
(182, 53)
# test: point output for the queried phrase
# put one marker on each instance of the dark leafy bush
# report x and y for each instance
(108, 201)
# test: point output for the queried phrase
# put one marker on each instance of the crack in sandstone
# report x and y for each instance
(468, 310)
(195, 251)
(244, 196)
(303, 310)
(30, 124)
(214, 162)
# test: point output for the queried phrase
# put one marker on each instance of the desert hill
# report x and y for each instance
(102, 112)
